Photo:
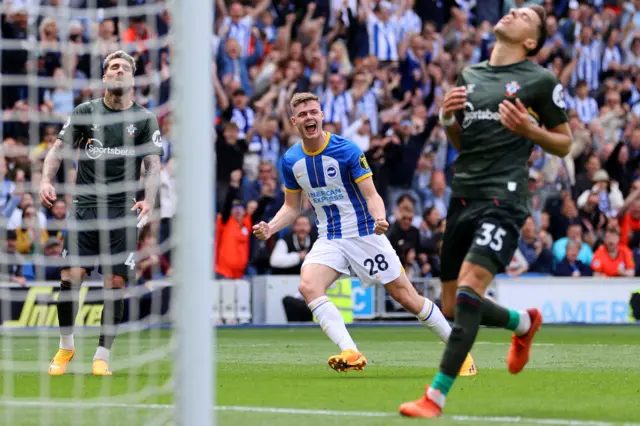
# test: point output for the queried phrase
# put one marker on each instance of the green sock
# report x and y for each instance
(514, 320)
(442, 382)
(494, 315)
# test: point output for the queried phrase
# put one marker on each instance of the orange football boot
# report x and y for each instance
(521, 345)
(423, 407)
(348, 360)
(58, 365)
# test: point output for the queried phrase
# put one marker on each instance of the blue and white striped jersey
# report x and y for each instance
(330, 176)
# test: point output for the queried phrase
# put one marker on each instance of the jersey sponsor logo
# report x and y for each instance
(332, 172)
(363, 162)
(157, 139)
(131, 129)
(95, 149)
(511, 88)
(328, 196)
(471, 115)
(558, 96)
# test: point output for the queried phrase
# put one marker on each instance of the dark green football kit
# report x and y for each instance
(490, 185)
(111, 145)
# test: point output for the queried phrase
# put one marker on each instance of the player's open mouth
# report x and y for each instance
(310, 127)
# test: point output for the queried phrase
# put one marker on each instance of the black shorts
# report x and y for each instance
(110, 243)
(482, 232)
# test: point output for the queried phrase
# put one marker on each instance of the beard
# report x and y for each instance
(118, 88)
(116, 91)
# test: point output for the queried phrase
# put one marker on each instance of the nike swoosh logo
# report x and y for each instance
(298, 176)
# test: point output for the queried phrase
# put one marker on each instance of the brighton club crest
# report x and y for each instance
(511, 88)
(131, 129)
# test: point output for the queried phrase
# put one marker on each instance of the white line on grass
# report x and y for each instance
(305, 412)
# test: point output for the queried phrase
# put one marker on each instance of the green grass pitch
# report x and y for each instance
(581, 376)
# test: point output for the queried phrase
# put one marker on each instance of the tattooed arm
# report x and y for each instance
(51, 165)
(152, 168)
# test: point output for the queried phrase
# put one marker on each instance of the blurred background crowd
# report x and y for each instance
(381, 69)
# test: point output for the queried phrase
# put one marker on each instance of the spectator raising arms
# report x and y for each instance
(233, 229)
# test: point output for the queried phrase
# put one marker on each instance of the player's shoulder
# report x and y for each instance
(145, 112)
(88, 106)
(541, 73)
(293, 154)
(340, 148)
(475, 68)
(480, 66)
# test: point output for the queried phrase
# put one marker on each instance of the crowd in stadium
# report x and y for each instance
(381, 69)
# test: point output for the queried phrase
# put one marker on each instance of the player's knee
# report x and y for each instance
(476, 277)
(309, 288)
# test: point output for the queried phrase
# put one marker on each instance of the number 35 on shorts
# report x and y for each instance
(491, 236)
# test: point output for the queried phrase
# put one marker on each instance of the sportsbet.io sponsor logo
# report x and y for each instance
(95, 150)
(470, 115)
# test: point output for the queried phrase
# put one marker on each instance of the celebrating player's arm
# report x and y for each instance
(454, 101)
(555, 138)
(289, 210)
(375, 205)
(361, 174)
(152, 166)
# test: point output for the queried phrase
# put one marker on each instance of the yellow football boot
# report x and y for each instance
(58, 365)
(348, 360)
(101, 368)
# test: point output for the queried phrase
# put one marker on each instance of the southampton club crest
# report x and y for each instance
(511, 88)
(131, 129)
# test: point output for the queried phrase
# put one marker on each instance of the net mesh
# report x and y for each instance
(52, 61)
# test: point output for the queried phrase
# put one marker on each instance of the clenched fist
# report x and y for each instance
(381, 226)
(262, 231)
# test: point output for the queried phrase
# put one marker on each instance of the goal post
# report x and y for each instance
(162, 360)
(193, 111)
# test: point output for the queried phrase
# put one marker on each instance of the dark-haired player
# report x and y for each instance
(499, 111)
(113, 136)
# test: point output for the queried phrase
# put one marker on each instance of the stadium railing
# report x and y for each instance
(258, 301)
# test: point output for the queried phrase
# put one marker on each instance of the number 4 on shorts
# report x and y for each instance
(131, 261)
(491, 236)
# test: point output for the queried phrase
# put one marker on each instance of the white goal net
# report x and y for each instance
(89, 143)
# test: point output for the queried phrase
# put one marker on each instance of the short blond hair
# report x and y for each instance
(301, 98)
(119, 54)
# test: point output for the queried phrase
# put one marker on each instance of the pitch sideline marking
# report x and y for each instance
(301, 411)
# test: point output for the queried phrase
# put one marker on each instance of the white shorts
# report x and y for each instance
(370, 258)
